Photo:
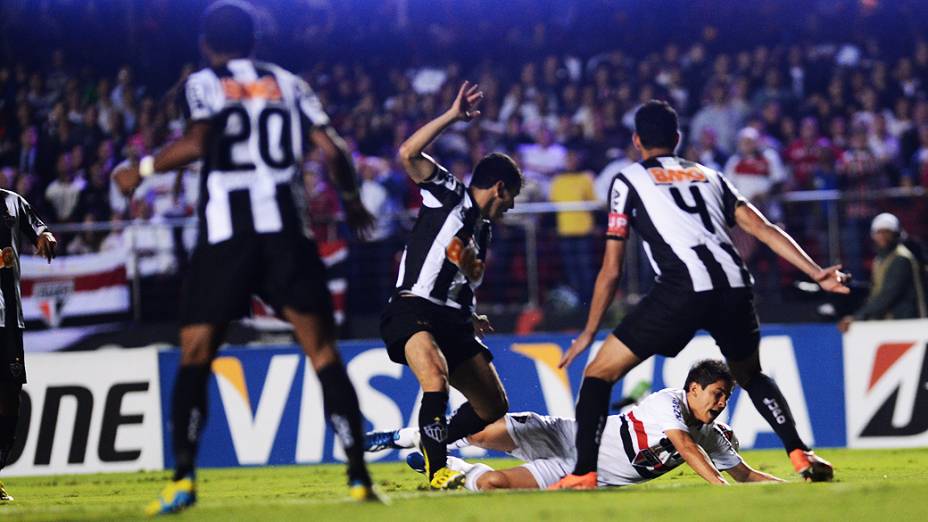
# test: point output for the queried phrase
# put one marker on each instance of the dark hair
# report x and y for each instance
(229, 27)
(656, 125)
(708, 371)
(494, 167)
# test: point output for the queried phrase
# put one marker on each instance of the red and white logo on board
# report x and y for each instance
(886, 381)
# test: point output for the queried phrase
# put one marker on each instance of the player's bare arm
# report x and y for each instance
(831, 279)
(744, 473)
(343, 175)
(184, 151)
(695, 456)
(418, 165)
(603, 293)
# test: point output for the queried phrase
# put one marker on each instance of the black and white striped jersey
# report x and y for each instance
(17, 221)
(448, 211)
(259, 116)
(682, 212)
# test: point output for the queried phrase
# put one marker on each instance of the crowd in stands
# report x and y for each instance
(831, 110)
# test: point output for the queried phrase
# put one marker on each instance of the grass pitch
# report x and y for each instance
(884, 485)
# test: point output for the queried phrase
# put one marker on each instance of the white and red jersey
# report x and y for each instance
(756, 174)
(635, 447)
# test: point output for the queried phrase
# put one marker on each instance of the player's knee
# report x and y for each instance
(606, 372)
(744, 375)
(196, 345)
(433, 380)
(497, 409)
(492, 480)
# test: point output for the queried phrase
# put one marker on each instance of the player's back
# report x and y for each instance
(258, 115)
(682, 211)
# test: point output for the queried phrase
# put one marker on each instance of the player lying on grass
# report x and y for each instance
(667, 428)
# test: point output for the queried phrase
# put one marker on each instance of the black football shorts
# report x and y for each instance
(666, 320)
(284, 269)
(452, 329)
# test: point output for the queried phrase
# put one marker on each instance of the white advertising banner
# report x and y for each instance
(90, 412)
(886, 384)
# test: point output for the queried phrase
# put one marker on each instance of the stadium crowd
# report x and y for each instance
(832, 112)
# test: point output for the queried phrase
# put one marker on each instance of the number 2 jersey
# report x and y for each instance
(682, 211)
(635, 447)
(259, 116)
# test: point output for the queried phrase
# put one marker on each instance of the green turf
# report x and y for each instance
(881, 486)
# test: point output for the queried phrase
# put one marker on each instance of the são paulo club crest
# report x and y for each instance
(52, 296)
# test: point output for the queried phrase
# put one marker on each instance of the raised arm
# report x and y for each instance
(418, 165)
(695, 456)
(603, 293)
(750, 219)
(744, 473)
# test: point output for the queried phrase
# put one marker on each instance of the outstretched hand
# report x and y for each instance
(578, 346)
(832, 279)
(465, 104)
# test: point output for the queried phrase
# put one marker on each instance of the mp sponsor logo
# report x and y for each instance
(886, 372)
(89, 412)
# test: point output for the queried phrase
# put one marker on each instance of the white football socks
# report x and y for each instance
(472, 472)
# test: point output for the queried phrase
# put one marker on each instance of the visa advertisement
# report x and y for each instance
(110, 410)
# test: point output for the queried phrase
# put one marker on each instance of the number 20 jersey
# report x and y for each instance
(259, 116)
(682, 211)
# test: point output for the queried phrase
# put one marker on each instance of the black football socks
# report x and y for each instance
(592, 409)
(344, 414)
(770, 403)
(464, 422)
(188, 416)
(433, 430)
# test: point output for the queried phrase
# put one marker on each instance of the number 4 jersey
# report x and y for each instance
(259, 117)
(682, 211)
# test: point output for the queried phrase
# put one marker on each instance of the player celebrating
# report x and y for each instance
(429, 323)
(249, 122)
(18, 219)
(682, 211)
(667, 428)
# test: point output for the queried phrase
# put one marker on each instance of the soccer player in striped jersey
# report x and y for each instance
(249, 123)
(17, 221)
(668, 428)
(682, 212)
(429, 323)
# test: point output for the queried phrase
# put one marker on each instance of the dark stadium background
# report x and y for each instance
(576, 68)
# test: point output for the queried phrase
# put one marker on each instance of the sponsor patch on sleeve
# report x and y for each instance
(618, 225)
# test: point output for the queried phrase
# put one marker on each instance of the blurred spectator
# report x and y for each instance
(575, 228)
(859, 173)
(756, 171)
(541, 160)
(805, 153)
(719, 116)
(374, 196)
(63, 194)
(897, 290)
